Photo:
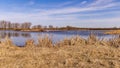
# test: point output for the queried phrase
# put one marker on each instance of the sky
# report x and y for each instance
(79, 13)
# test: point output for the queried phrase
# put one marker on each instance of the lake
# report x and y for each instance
(19, 37)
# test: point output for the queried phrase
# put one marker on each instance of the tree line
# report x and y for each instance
(9, 25)
(25, 25)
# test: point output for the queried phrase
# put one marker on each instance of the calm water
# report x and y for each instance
(19, 37)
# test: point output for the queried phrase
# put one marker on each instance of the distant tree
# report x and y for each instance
(16, 25)
(114, 27)
(29, 25)
(9, 25)
(3, 24)
(12, 25)
(45, 27)
(26, 25)
(37, 27)
(50, 26)
(69, 27)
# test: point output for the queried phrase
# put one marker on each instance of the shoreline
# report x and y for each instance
(62, 29)
(112, 31)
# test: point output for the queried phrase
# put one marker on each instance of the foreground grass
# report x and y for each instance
(75, 52)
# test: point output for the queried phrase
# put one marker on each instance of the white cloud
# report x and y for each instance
(75, 10)
(83, 2)
(94, 6)
(100, 2)
(64, 4)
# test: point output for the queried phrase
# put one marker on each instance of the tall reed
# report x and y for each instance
(45, 41)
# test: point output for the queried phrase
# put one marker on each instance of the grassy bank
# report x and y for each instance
(74, 52)
(113, 32)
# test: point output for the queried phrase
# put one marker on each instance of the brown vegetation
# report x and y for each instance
(113, 32)
(74, 52)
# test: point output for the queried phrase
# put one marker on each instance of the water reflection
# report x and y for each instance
(19, 37)
(10, 34)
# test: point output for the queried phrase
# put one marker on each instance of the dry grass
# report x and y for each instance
(45, 41)
(74, 52)
(113, 32)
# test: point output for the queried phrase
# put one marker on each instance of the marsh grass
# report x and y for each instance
(113, 32)
(115, 42)
(7, 42)
(74, 52)
(45, 41)
(73, 41)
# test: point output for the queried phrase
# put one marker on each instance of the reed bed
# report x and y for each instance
(113, 32)
(74, 52)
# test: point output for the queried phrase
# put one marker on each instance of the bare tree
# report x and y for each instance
(50, 26)
(26, 25)
(37, 27)
(3, 23)
(8, 25)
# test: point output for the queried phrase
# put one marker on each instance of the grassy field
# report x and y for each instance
(74, 52)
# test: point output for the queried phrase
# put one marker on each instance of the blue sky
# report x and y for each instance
(80, 13)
